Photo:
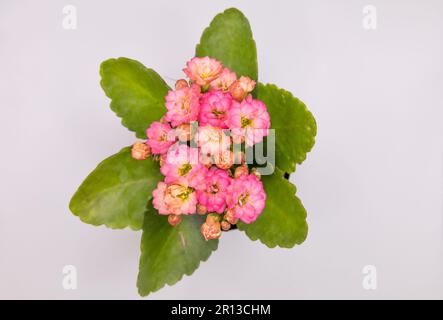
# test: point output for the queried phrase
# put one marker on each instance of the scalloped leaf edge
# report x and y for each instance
(113, 105)
(289, 96)
(173, 282)
(287, 244)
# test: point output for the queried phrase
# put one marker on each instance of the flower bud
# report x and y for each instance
(224, 160)
(174, 219)
(162, 159)
(241, 171)
(183, 132)
(229, 216)
(255, 172)
(212, 218)
(180, 84)
(210, 231)
(201, 210)
(140, 151)
(225, 225)
(241, 87)
(237, 91)
(246, 83)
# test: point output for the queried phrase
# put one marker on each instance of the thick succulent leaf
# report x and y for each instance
(294, 125)
(283, 221)
(168, 253)
(229, 39)
(137, 93)
(116, 193)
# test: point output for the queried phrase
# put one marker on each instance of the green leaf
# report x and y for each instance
(117, 191)
(283, 221)
(168, 253)
(137, 93)
(294, 125)
(229, 39)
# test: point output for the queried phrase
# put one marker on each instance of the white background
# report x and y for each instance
(372, 184)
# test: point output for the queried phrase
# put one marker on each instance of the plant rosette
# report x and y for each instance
(195, 174)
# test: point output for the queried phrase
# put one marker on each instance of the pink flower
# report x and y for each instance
(212, 140)
(182, 162)
(203, 70)
(213, 196)
(183, 105)
(214, 107)
(160, 137)
(249, 119)
(224, 81)
(174, 198)
(246, 198)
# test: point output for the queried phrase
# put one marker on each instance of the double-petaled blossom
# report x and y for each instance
(246, 198)
(203, 71)
(213, 196)
(183, 105)
(249, 119)
(214, 108)
(174, 198)
(160, 137)
(182, 162)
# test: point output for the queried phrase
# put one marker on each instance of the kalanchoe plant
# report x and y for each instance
(186, 182)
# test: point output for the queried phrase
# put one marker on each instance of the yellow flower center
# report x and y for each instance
(185, 103)
(245, 122)
(217, 113)
(180, 192)
(185, 194)
(184, 169)
(243, 199)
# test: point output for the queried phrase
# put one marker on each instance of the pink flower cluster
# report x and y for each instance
(194, 142)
